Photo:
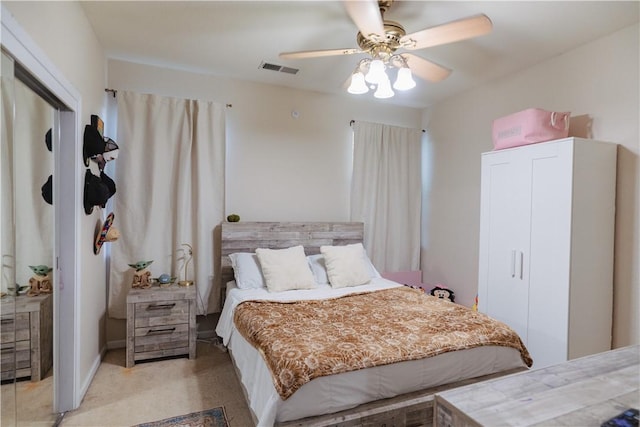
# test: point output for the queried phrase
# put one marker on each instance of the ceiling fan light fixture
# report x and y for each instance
(384, 89)
(358, 85)
(376, 74)
(380, 38)
(404, 81)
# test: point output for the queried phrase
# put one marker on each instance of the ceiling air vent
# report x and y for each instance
(275, 67)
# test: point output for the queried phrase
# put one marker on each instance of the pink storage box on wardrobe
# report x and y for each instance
(529, 127)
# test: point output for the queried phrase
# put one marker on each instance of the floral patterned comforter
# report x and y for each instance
(303, 340)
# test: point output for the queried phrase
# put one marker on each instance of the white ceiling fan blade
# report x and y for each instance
(318, 53)
(425, 69)
(448, 33)
(366, 15)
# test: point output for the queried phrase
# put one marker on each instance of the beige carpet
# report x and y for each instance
(149, 391)
(33, 406)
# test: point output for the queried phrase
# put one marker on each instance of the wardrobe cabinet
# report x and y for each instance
(547, 216)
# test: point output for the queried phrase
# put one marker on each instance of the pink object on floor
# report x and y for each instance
(529, 127)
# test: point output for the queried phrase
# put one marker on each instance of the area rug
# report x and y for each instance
(215, 417)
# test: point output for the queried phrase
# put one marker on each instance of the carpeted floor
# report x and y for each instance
(31, 401)
(150, 391)
(156, 390)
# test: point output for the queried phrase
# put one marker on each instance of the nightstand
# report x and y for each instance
(161, 322)
(26, 336)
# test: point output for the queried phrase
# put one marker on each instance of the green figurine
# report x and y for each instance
(141, 276)
(41, 281)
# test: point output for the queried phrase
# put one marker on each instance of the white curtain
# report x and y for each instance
(385, 193)
(169, 192)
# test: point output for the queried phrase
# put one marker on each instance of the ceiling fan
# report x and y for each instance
(381, 38)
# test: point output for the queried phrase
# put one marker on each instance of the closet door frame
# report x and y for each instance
(67, 202)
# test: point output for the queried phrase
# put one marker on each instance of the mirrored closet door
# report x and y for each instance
(27, 245)
(7, 246)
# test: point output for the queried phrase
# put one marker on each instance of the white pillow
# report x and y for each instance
(285, 269)
(319, 268)
(346, 265)
(246, 270)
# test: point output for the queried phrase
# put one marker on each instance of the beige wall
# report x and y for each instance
(599, 80)
(62, 32)
(274, 159)
(278, 168)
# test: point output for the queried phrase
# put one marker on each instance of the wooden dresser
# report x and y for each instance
(26, 336)
(581, 392)
(161, 322)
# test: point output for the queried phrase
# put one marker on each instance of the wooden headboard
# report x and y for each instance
(248, 236)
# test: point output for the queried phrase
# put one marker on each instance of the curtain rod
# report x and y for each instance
(353, 121)
(114, 92)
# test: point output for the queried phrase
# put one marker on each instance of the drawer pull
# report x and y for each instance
(167, 331)
(161, 306)
(6, 321)
(7, 349)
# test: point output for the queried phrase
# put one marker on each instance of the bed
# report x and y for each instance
(395, 389)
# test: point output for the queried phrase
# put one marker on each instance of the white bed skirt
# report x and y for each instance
(343, 391)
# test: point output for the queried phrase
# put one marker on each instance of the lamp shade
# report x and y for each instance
(358, 85)
(376, 72)
(384, 89)
(404, 80)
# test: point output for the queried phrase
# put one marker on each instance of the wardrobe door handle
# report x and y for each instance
(521, 260)
(513, 263)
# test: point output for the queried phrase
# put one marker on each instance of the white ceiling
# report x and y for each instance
(232, 38)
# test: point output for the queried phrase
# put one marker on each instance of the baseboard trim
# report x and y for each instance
(92, 373)
(206, 335)
(115, 344)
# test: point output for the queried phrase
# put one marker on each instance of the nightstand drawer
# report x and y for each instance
(14, 328)
(21, 350)
(159, 313)
(164, 337)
